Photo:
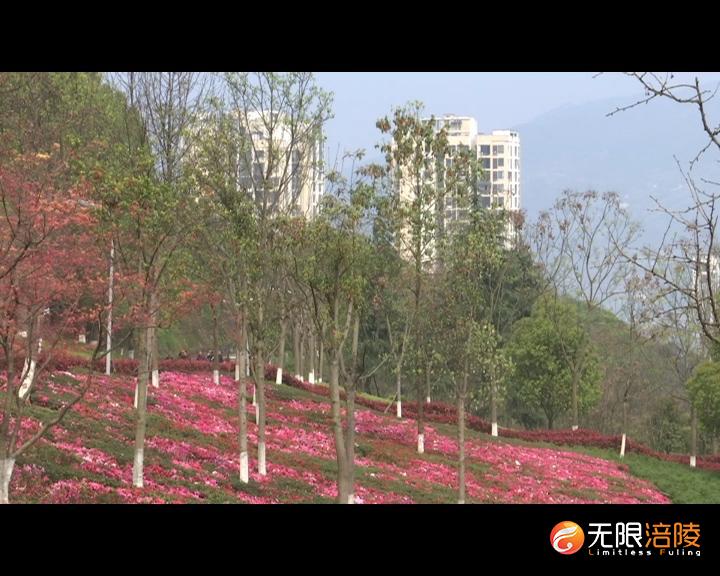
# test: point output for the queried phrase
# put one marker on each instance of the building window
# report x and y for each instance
(499, 149)
(484, 150)
(498, 175)
(498, 162)
(485, 163)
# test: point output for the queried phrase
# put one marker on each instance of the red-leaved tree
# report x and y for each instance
(51, 277)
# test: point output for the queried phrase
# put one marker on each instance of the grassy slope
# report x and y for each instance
(195, 460)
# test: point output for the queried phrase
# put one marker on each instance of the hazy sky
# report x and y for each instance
(496, 99)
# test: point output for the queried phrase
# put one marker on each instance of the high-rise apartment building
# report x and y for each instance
(297, 174)
(295, 182)
(498, 154)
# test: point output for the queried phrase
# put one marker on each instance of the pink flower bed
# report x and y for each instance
(197, 456)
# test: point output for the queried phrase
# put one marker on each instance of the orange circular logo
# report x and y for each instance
(567, 537)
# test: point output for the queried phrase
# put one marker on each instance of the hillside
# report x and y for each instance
(191, 454)
(579, 147)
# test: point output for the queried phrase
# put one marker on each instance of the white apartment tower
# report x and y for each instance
(299, 172)
(296, 183)
(498, 154)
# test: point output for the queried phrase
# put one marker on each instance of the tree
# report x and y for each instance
(543, 377)
(704, 390)
(423, 173)
(687, 260)
(677, 322)
(690, 239)
(154, 214)
(335, 278)
(278, 122)
(48, 264)
(583, 244)
(639, 312)
(469, 342)
(52, 280)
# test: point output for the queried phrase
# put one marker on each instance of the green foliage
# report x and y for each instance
(668, 427)
(540, 347)
(704, 390)
(490, 365)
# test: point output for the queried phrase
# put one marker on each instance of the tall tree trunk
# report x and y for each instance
(242, 394)
(420, 416)
(311, 356)
(461, 446)
(6, 469)
(260, 391)
(398, 389)
(427, 385)
(321, 361)
(398, 382)
(155, 355)
(493, 406)
(28, 372)
(144, 369)
(350, 390)
(715, 445)
(281, 350)
(693, 436)
(350, 445)
(340, 447)
(108, 336)
(624, 426)
(575, 411)
(296, 348)
(216, 344)
(303, 354)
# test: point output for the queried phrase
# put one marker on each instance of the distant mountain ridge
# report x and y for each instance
(578, 147)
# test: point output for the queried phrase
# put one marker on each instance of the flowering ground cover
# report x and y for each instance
(191, 453)
(442, 412)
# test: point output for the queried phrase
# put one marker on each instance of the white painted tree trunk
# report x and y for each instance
(216, 377)
(81, 339)
(262, 470)
(351, 498)
(6, 470)
(244, 468)
(427, 400)
(156, 378)
(29, 372)
(108, 336)
(136, 395)
(255, 401)
(237, 371)
(461, 501)
(693, 462)
(278, 376)
(398, 409)
(421, 443)
(320, 380)
(138, 468)
(574, 427)
(622, 446)
(131, 353)
(494, 430)
(311, 377)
